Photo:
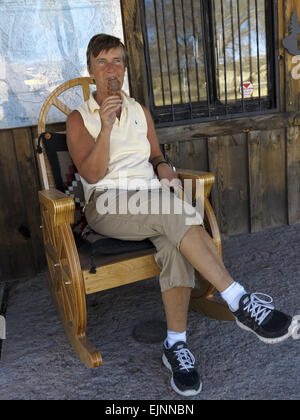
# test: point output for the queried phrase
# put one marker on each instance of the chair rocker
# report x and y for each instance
(78, 268)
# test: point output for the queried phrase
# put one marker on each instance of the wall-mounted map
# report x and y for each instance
(43, 44)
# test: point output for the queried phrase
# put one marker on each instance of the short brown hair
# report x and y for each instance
(103, 42)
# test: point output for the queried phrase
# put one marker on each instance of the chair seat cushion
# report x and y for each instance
(90, 250)
(67, 180)
(112, 246)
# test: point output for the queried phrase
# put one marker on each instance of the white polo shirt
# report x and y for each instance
(128, 166)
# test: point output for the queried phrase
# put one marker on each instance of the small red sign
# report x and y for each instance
(247, 88)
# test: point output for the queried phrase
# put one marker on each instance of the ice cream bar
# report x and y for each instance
(114, 87)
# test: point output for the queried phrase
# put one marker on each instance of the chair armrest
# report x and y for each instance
(59, 205)
(193, 174)
(210, 220)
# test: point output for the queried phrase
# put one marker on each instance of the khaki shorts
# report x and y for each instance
(154, 214)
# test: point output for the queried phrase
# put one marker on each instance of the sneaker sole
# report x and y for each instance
(270, 340)
(188, 392)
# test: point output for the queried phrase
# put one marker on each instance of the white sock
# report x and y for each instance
(173, 337)
(232, 295)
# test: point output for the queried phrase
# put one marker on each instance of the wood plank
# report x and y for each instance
(274, 165)
(255, 181)
(291, 85)
(230, 197)
(121, 273)
(193, 154)
(16, 258)
(281, 53)
(216, 192)
(188, 155)
(293, 174)
(30, 186)
(221, 128)
(267, 179)
(171, 154)
(137, 74)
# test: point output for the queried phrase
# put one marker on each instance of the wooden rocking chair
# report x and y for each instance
(71, 276)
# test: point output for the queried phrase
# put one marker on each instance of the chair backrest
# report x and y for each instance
(46, 175)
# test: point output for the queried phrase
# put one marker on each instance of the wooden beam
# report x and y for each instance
(221, 128)
(228, 160)
(16, 256)
(267, 179)
(120, 273)
(291, 85)
(293, 174)
(30, 185)
(135, 46)
(281, 54)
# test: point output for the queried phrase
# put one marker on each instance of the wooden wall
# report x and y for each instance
(256, 161)
(21, 248)
(257, 171)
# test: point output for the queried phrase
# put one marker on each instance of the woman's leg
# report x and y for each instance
(199, 249)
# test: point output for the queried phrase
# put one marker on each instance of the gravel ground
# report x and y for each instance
(37, 362)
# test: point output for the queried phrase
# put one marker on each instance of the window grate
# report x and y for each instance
(210, 59)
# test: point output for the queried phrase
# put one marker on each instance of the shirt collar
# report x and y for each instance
(94, 106)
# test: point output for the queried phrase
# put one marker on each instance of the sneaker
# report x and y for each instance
(180, 361)
(260, 317)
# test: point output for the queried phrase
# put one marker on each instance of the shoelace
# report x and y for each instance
(185, 358)
(259, 308)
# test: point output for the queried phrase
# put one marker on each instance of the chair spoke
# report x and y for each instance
(66, 277)
(67, 292)
(48, 229)
(61, 106)
(85, 91)
(59, 246)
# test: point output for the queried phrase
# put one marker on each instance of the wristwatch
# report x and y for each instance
(162, 161)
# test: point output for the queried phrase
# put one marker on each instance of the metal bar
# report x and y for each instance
(224, 54)
(240, 54)
(249, 41)
(207, 74)
(194, 35)
(215, 50)
(167, 56)
(276, 102)
(233, 49)
(216, 118)
(258, 56)
(212, 37)
(272, 57)
(187, 60)
(147, 53)
(159, 54)
(177, 50)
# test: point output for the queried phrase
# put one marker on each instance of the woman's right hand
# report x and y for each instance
(108, 111)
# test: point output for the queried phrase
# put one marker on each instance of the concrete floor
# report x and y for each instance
(38, 363)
